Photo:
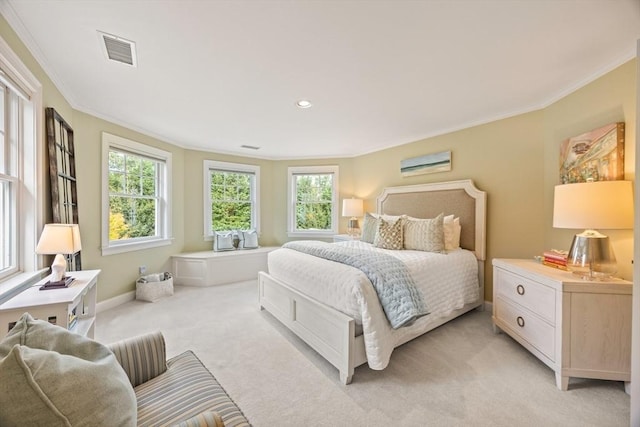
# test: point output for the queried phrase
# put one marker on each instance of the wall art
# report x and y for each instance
(429, 163)
(597, 155)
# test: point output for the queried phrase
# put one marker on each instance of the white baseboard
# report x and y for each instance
(115, 301)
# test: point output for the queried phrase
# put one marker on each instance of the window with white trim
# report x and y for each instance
(136, 195)
(231, 197)
(21, 207)
(313, 201)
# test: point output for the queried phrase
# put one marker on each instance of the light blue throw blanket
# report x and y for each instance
(401, 300)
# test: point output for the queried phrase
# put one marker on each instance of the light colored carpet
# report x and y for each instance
(459, 374)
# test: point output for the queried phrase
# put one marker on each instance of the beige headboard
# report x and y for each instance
(460, 198)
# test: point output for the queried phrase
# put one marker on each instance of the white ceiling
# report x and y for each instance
(214, 75)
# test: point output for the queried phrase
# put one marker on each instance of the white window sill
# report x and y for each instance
(136, 246)
(18, 282)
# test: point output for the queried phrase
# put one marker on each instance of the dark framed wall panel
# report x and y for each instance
(62, 173)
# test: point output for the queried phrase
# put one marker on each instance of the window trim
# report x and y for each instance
(207, 165)
(291, 200)
(165, 203)
(31, 161)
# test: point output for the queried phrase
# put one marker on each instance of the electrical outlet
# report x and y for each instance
(142, 269)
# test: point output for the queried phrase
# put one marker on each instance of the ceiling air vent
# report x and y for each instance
(119, 49)
(250, 147)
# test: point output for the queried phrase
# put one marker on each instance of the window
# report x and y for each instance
(313, 198)
(231, 197)
(135, 195)
(21, 201)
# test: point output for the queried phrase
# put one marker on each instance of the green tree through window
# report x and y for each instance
(133, 195)
(314, 201)
(231, 200)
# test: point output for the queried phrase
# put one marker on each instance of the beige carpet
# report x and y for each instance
(459, 374)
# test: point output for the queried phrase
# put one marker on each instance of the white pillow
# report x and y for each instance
(424, 234)
(223, 241)
(452, 230)
(248, 239)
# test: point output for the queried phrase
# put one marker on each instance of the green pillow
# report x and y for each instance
(50, 376)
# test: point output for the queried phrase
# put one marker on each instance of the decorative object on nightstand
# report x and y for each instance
(352, 208)
(591, 205)
(579, 328)
(59, 240)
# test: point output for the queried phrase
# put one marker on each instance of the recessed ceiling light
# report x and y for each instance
(304, 103)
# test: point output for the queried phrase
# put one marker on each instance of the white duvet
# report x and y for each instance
(447, 282)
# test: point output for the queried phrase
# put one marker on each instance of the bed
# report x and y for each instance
(348, 337)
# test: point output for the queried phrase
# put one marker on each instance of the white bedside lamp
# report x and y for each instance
(59, 240)
(352, 208)
(591, 205)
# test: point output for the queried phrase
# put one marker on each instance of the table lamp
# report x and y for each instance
(59, 240)
(352, 208)
(590, 206)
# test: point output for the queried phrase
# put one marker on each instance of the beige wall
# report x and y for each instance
(119, 271)
(609, 99)
(504, 158)
(514, 160)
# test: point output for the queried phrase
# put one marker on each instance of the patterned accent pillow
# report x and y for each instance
(389, 235)
(369, 228)
(424, 234)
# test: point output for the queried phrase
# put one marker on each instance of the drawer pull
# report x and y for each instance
(520, 321)
(520, 289)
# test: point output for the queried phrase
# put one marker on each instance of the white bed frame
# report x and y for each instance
(332, 333)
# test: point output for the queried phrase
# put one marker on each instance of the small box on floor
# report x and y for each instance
(154, 286)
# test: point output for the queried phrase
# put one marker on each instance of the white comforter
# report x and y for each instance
(447, 282)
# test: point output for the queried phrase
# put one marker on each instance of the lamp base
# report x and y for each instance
(591, 256)
(353, 229)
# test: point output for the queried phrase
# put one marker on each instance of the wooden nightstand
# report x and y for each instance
(578, 328)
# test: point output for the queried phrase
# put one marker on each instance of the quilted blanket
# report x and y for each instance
(401, 301)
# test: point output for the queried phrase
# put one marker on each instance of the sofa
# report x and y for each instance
(50, 376)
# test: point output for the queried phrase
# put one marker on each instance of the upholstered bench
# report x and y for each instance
(180, 391)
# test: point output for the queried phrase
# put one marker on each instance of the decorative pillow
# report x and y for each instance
(452, 230)
(223, 241)
(248, 239)
(389, 235)
(50, 376)
(424, 234)
(369, 228)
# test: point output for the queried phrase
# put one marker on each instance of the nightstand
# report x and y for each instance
(344, 238)
(576, 327)
(73, 308)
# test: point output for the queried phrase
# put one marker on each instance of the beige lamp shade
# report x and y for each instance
(59, 239)
(352, 207)
(594, 205)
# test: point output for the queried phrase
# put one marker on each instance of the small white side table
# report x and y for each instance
(73, 307)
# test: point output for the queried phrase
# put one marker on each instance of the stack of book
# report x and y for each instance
(555, 258)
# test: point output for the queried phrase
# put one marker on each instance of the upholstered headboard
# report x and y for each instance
(460, 198)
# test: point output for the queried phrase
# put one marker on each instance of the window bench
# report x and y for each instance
(210, 268)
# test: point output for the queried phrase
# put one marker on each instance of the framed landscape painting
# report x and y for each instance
(597, 155)
(430, 163)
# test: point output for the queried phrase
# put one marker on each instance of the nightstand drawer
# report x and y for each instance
(532, 295)
(528, 326)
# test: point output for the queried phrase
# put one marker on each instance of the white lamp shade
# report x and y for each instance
(59, 239)
(352, 207)
(594, 205)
